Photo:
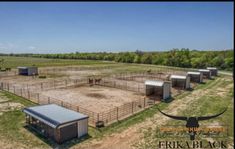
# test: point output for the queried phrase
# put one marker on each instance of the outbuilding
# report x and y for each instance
(195, 76)
(56, 122)
(206, 73)
(214, 71)
(161, 89)
(180, 81)
(28, 71)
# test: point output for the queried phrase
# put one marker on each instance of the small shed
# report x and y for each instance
(214, 71)
(206, 73)
(180, 81)
(28, 71)
(195, 76)
(161, 89)
(55, 122)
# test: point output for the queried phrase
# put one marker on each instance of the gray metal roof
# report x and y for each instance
(203, 70)
(54, 115)
(211, 68)
(22, 67)
(178, 77)
(194, 73)
(26, 67)
(154, 83)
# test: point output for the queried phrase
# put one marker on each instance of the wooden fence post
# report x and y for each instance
(38, 97)
(8, 87)
(117, 113)
(144, 101)
(132, 106)
(77, 108)
(42, 86)
(28, 94)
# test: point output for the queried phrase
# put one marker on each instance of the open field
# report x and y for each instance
(13, 62)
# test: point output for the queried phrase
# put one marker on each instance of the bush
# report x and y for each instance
(42, 77)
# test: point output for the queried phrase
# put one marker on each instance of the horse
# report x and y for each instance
(90, 81)
(97, 80)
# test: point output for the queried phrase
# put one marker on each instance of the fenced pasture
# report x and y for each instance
(114, 97)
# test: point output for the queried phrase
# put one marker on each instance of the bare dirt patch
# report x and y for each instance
(95, 98)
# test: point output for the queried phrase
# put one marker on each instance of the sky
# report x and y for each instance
(64, 27)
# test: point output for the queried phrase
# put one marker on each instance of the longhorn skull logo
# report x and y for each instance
(192, 122)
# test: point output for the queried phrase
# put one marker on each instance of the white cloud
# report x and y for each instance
(31, 48)
(7, 45)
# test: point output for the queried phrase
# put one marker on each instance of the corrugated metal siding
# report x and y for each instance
(166, 90)
(82, 127)
(33, 70)
(201, 77)
(149, 90)
(22, 71)
(68, 132)
(187, 82)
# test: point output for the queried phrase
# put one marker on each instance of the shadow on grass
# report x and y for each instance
(168, 100)
(202, 83)
(190, 89)
(53, 144)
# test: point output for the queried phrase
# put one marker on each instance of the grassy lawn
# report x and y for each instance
(12, 130)
(219, 95)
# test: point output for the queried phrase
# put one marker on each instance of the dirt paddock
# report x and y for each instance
(94, 98)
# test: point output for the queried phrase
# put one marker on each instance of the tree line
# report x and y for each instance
(175, 57)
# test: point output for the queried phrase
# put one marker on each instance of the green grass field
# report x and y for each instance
(13, 62)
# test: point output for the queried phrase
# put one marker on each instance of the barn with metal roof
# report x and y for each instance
(195, 76)
(214, 71)
(161, 89)
(180, 81)
(28, 71)
(56, 122)
(206, 73)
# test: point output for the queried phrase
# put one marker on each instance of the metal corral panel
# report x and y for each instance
(82, 127)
